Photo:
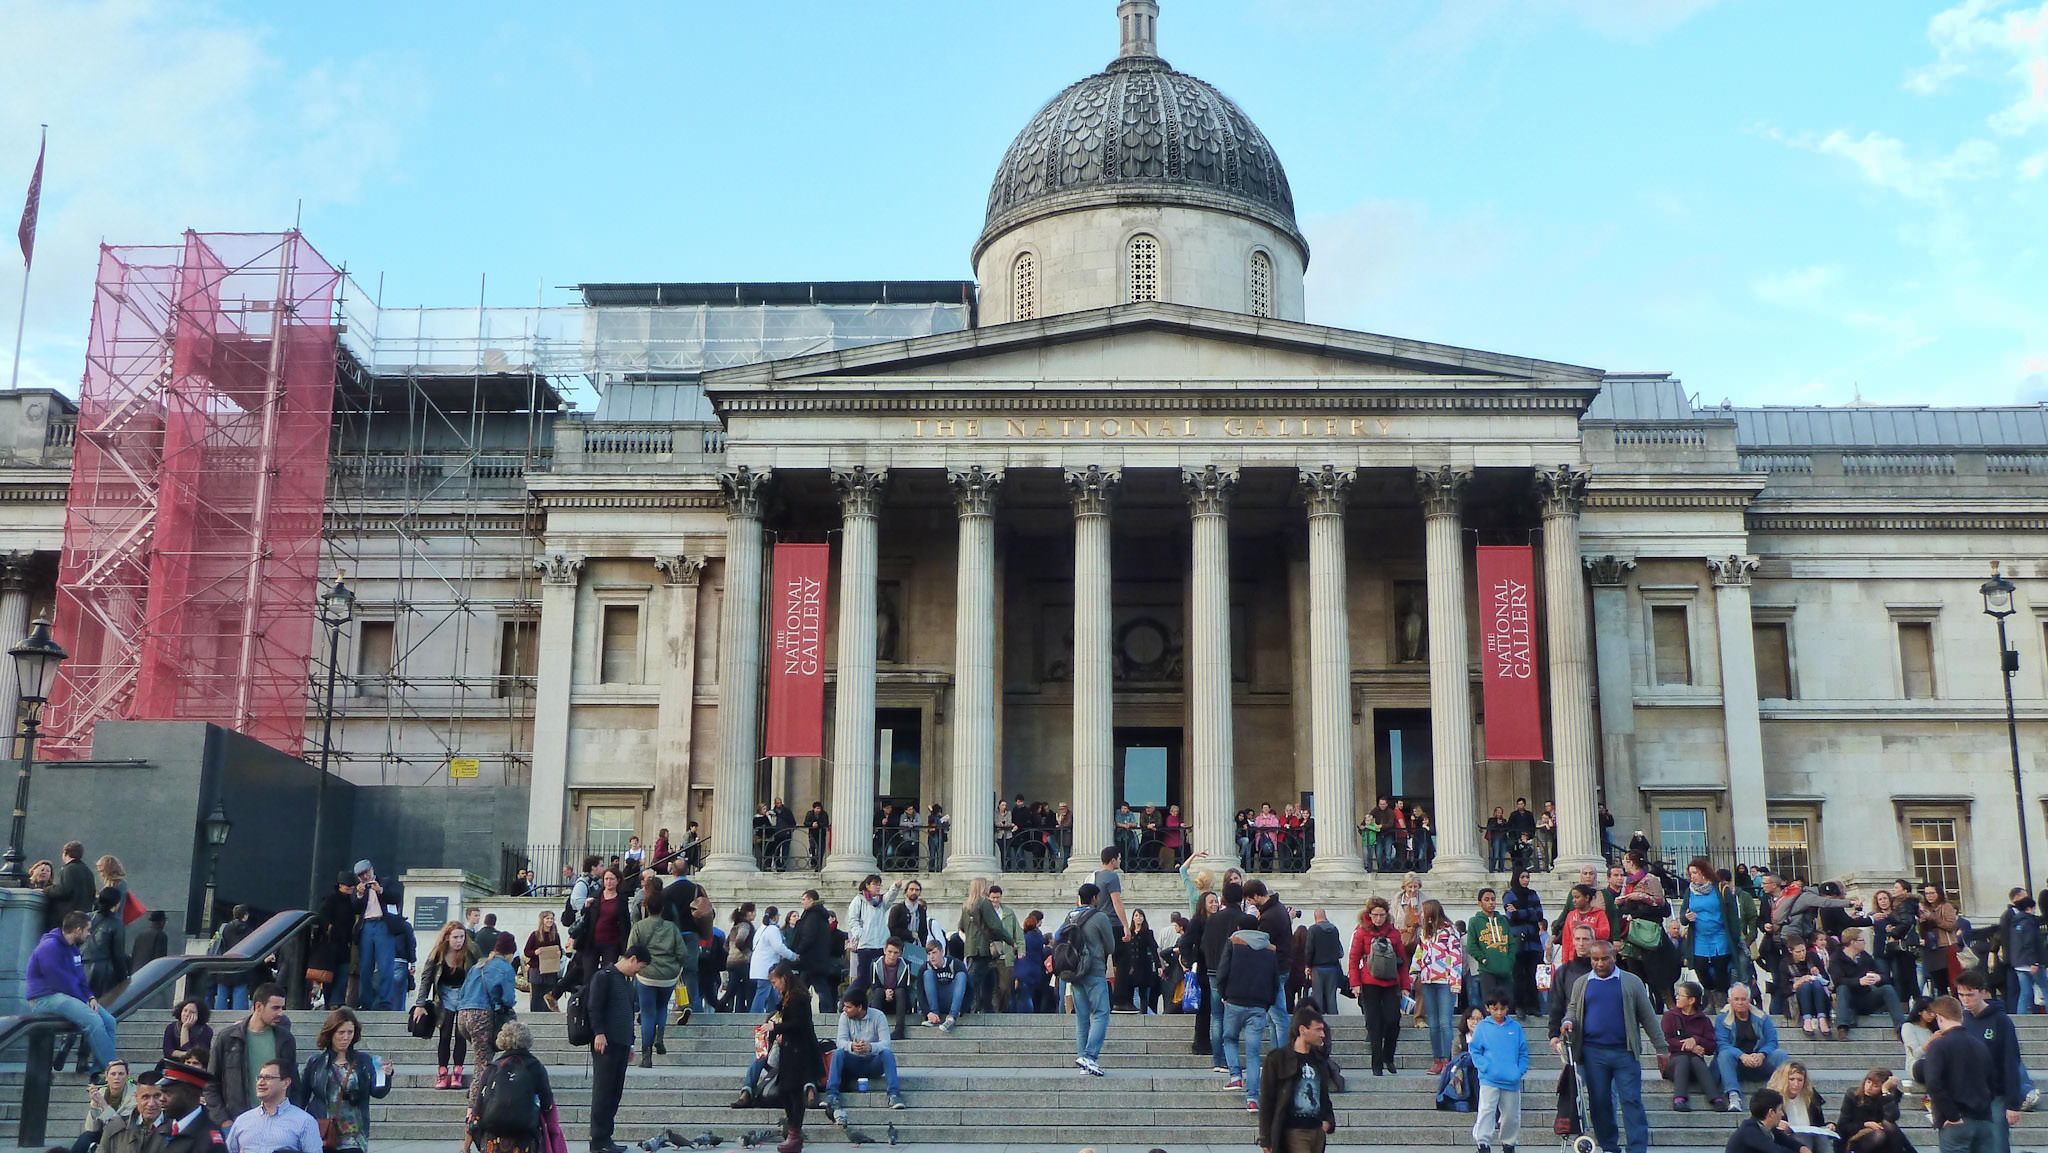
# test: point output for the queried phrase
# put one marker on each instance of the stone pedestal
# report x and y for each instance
(21, 926)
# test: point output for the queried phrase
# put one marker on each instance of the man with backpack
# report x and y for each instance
(612, 1001)
(1080, 957)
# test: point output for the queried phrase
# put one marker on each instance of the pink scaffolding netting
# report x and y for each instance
(198, 483)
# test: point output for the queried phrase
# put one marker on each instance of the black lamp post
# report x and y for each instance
(337, 609)
(35, 669)
(1998, 606)
(217, 829)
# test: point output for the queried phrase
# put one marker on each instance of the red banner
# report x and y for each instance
(796, 652)
(1507, 653)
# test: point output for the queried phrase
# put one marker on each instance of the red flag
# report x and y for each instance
(796, 652)
(1507, 653)
(27, 231)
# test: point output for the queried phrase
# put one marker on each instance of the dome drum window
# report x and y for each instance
(1259, 285)
(1024, 287)
(1143, 267)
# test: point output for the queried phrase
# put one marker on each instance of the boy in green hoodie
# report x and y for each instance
(1491, 948)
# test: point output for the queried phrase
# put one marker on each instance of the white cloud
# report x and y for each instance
(1884, 161)
(165, 117)
(1982, 38)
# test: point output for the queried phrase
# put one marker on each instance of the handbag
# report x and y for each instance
(320, 976)
(423, 1020)
(769, 1087)
(330, 1134)
(1543, 978)
(551, 1131)
(1645, 933)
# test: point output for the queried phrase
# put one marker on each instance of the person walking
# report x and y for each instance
(980, 928)
(515, 1110)
(667, 950)
(612, 1002)
(739, 960)
(442, 973)
(1500, 1056)
(1956, 1071)
(332, 939)
(488, 999)
(811, 941)
(1295, 1082)
(72, 889)
(240, 1049)
(1249, 966)
(1607, 1009)
(1325, 964)
(1524, 909)
(769, 951)
(1081, 949)
(341, 1080)
(1379, 976)
(2007, 1076)
(1436, 971)
(1490, 943)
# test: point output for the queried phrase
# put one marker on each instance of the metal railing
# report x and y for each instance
(548, 862)
(41, 1029)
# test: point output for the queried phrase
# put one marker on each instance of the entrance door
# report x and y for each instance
(1148, 773)
(1401, 748)
(899, 768)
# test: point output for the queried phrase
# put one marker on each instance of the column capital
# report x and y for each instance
(1093, 489)
(559, 568)
(1562, 490)
(974, 490)
(680, 569)
(1732, 571)
(860, 489)
(17, 567)
(1609, 571)
(1442, 489)
(1326, 490)
(1209, 489)
(744, 489)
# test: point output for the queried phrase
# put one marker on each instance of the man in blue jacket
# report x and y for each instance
(1745, 1046)
(1988, 1022)
(56, 984)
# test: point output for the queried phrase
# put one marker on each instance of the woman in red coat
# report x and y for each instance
(1379, 976)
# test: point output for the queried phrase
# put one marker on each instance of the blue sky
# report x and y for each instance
(1781, 203)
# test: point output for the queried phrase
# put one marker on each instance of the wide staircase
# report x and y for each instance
(1011, 1078)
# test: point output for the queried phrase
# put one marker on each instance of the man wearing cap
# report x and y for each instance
(613, 1003)
(274, 1124)
(377, 902)
(144, 1130)
(185, 1125)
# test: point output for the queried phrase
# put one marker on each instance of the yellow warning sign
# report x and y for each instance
(461, 767)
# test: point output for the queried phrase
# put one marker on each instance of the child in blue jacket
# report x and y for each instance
(1500, 1054)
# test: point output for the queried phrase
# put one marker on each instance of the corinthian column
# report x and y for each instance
(1741, 716)
(853, 706)
(739, 676)
(974, 675)
(1093, 490)
(1563, 493)
(1450, 676)
(16, 568)
(547, 801)
(1209, 490)
(1329, 671)
(676, 706)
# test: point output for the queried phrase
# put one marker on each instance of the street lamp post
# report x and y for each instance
(337, 609)
(35, 664)
(1998, 606)
(217, 828)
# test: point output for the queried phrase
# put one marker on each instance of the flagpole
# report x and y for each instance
(28, 262)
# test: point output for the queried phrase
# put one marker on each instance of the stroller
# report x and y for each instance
(1574, 1122)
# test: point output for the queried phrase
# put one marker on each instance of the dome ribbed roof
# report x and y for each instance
(1140, 130)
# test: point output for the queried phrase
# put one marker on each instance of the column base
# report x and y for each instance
(1456, 880)
(970, 866)
(849, 868)
(1336, 865)
(1567, 868)
(729, 865)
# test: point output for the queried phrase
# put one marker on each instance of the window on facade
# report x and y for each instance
(1936, 860)
(373, 658)
(1773, 660)
(620, 661)
(1791, 852)
(607, 828)
(1681, 834)
(1024, 287)
(1144, 267)
(1671, 641)
(1260, 289)
(518, 658)
(1916, 660)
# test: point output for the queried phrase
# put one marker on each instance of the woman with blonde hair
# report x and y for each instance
(113, 876)
(1406, 911)
(1803, 1106)
(441, 975)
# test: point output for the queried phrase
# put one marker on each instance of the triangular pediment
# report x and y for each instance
(1152, 342)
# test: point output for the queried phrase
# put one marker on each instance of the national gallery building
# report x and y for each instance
(1112, 523)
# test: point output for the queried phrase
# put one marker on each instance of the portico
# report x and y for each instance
(1125, 525)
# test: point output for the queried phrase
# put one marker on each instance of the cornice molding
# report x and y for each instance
(704, 500)
(1180, 396)
(1894, 522)
(1639, 499)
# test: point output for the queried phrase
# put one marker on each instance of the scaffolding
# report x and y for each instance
(192, 534)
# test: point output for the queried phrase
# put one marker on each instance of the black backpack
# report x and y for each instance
(510, 1098)
(576, 1019)
(1067, 949)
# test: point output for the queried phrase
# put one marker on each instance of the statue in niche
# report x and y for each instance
(888, 621)
(1411, 623)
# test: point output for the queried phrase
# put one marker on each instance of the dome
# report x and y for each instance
(1140, 132)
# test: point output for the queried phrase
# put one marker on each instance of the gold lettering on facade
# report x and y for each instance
(1111, 426)
(1259, 427)
(1357, 427)
(973, 428)
(1233, 426)
(1078, 427)
(945, 427)
(1066, 426)
(917, 428)
(1013, 428)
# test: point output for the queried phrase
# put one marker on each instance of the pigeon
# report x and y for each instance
(656, 1143)
(706, 1140)
(892, 1133)
(674, 1138)
(858, 1137)
(753, 1137)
